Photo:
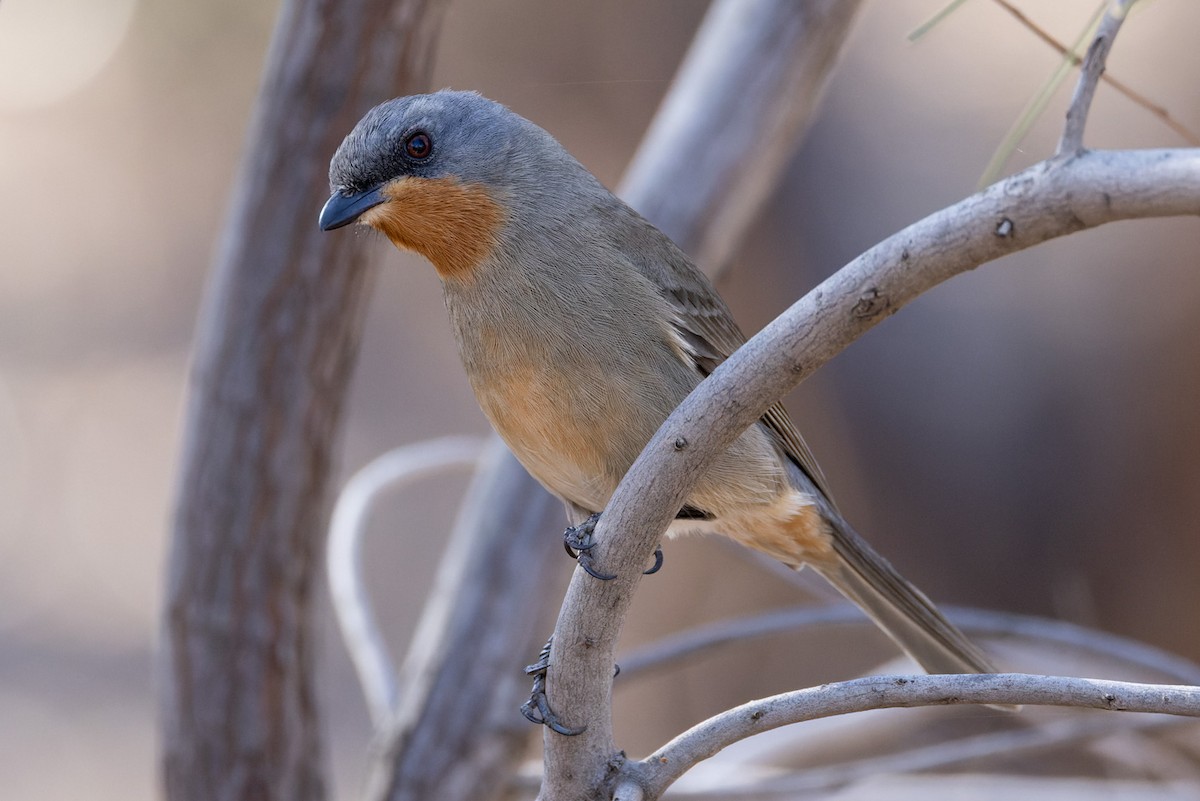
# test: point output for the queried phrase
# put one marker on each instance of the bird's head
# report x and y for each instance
(439, 174)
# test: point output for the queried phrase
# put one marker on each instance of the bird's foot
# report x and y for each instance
(579, 540)
(537, 708)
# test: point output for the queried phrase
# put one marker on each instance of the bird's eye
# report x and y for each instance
(418, 145)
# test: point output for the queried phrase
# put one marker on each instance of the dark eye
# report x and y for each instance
(418, 145)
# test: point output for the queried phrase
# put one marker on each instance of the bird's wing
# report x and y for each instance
(709, 335)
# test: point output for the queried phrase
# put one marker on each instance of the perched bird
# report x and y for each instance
(581, 327)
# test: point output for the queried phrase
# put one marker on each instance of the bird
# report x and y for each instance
(581, 327)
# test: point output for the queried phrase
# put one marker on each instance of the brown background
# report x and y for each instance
(1023, 438)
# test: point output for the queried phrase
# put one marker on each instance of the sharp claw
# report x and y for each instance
(585, 561)
(658, 563)
(565, 731)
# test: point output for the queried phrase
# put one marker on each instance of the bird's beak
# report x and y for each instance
(344, 209)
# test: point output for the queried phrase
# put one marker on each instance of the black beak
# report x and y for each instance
(344, 209)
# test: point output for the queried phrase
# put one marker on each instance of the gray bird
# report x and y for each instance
(581, 327)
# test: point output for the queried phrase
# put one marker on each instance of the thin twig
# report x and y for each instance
(1171, 667)
(688, 644)
(882, 692)
(937, 19)
(1089, 77)
(1137, 97)
(1040, 32)
(347, 589)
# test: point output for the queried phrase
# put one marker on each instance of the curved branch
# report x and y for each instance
(686, 644)
(1066, 194)
(753, 76)
(455, 732)
(343, 558)
(924, 758)
(1048, 200)
(667, 764)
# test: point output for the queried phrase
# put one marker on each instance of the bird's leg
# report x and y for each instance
(537, 708)
(578, 540)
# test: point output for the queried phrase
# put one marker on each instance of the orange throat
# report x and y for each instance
(454, 225)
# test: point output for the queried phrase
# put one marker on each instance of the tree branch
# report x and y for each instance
(668, 763)
(748, 87)
(1050, 199)
(1007, 744)
(745, 58)
(410, 762)
(274, 347)
(688, 644)
(1089, 76)
(343, 559)
(456, 732)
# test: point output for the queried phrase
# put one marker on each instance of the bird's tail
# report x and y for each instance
(899, 608)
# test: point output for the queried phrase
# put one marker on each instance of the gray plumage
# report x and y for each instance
(581, 327)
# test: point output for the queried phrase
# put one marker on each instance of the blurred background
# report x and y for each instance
(1023, 438)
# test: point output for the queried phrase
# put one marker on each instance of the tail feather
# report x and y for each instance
(899, 608)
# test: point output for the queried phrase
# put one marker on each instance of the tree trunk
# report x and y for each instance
(274, 351)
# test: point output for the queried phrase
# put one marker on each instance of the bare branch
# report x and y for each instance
(1059, 632)
(1089, 76)
(688, 644)
(667, 764)
(409, 761)
(273, 353)
(753, 779)
(343, 563)
(752, 78)
(749, 85)
(1048, 200)
(456, 732)
(939, 756)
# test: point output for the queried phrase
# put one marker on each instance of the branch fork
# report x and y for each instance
(1074, 190)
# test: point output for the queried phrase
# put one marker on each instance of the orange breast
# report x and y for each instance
(454, 225)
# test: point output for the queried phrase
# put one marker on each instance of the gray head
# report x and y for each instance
(461, 136)
(443, 173)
